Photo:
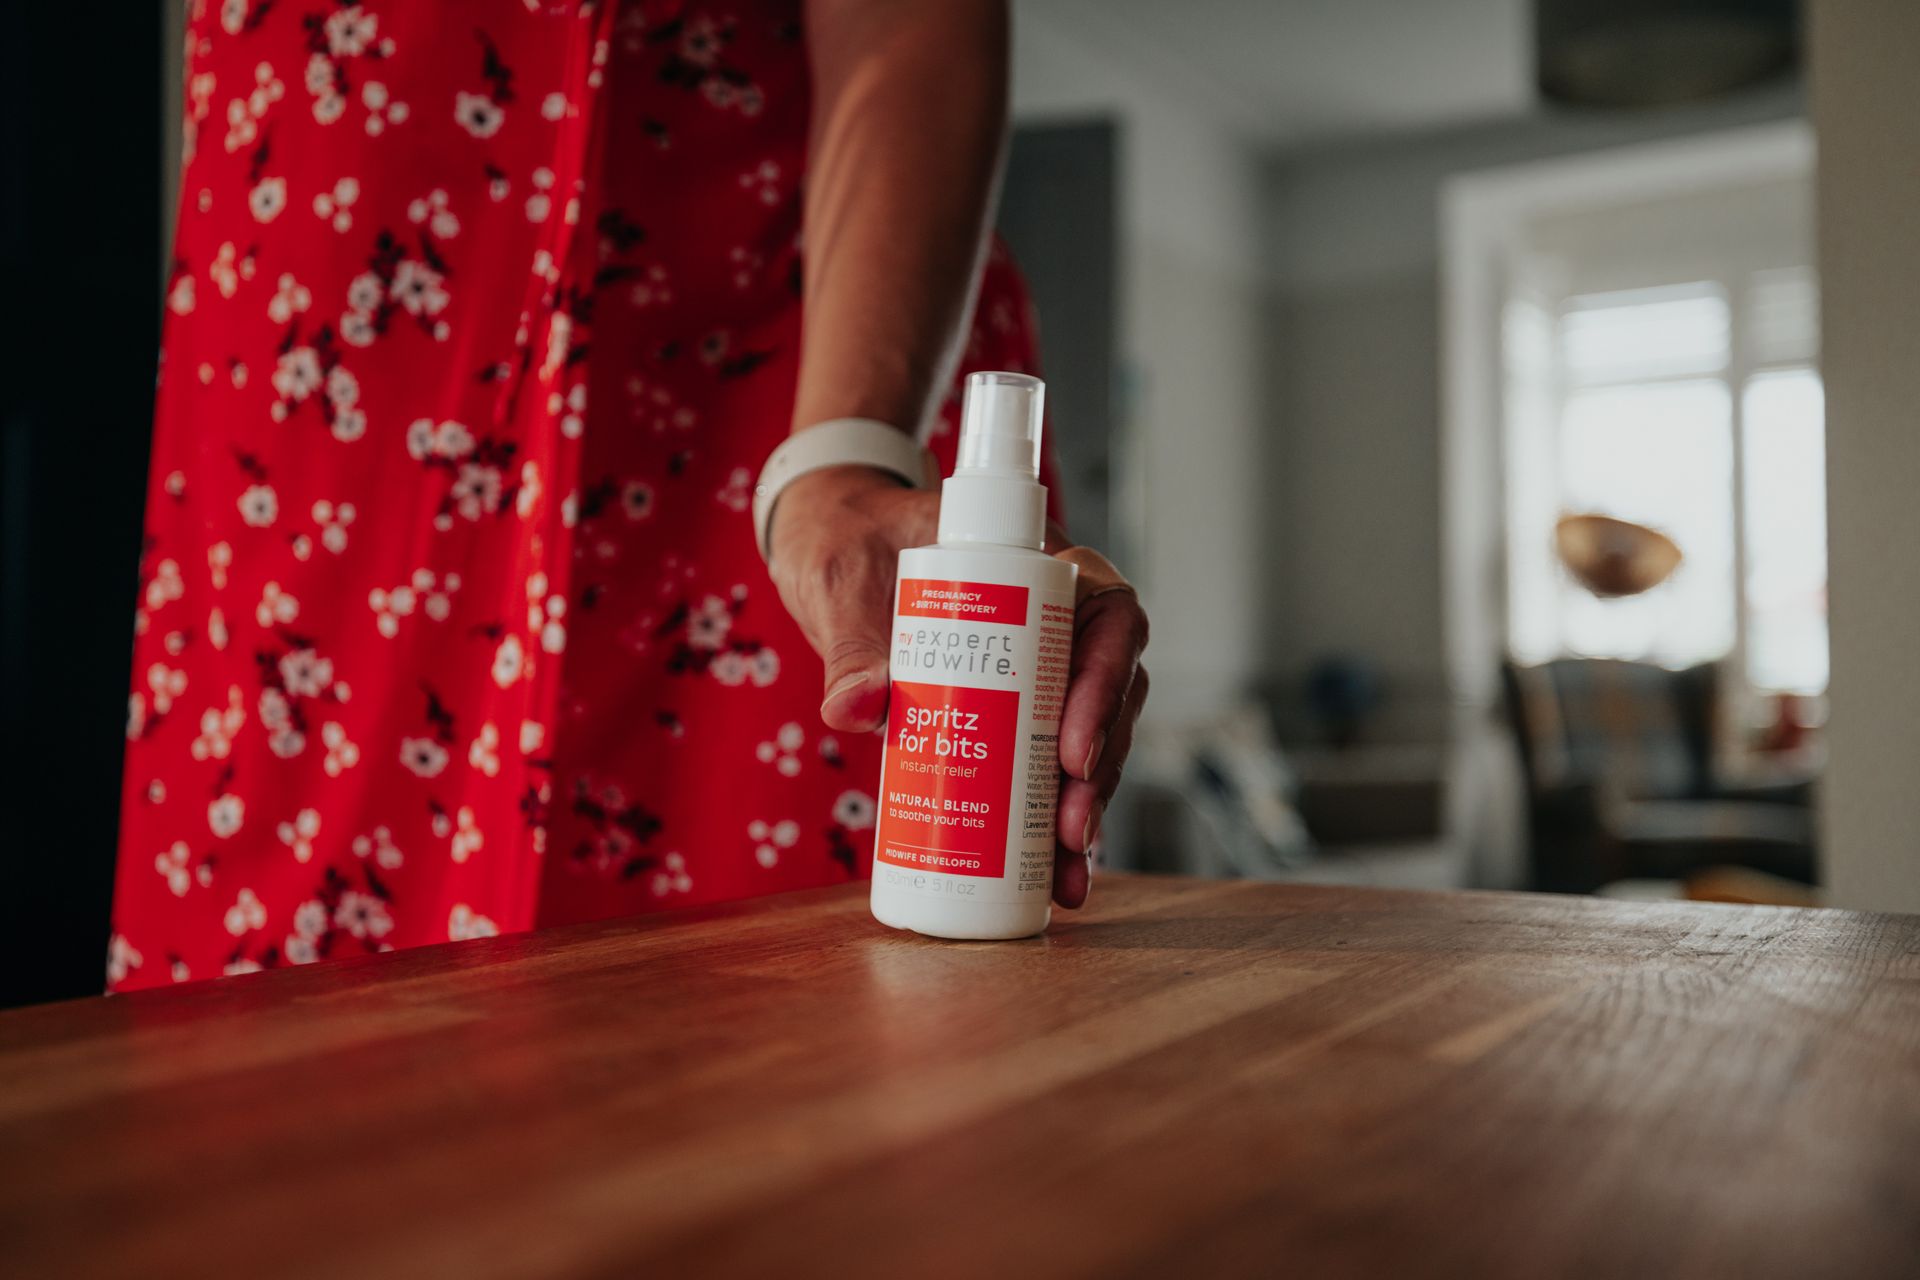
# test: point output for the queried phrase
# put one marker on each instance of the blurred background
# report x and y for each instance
(1468, 384)
(1450, 376)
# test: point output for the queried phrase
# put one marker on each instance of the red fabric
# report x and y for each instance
(482, 318)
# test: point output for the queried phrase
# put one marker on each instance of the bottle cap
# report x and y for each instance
(994, 494)
(1000, 421)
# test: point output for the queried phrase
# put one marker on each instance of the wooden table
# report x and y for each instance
(1187, 1079)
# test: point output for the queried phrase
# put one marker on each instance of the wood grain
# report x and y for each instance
(1186, 1079)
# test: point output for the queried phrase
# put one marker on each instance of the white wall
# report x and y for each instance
(1186, 494)
(1352, 237)
(1867, 117)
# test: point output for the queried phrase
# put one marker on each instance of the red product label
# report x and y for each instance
(948, 783)
(967, 601)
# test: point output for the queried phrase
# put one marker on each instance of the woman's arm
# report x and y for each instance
(909, 130)
(910, 107)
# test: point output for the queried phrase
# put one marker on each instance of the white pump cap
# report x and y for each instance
(994, 494)
(1000, 422)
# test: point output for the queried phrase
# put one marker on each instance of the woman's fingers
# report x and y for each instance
(1083, 801)
(1110, 631)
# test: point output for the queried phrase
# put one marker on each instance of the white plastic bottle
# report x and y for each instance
(982, 634)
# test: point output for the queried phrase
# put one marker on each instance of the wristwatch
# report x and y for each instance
(839, 442)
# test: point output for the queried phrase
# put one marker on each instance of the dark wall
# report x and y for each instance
(1057, 215)
(80, 268)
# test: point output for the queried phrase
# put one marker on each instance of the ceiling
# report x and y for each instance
(1290, 72)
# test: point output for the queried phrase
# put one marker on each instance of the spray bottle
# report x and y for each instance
(981, 642)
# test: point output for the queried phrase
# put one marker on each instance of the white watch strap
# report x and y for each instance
(863, 442)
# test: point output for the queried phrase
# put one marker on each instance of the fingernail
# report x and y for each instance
(846, 684)
(1094, 749)
(1092, 829)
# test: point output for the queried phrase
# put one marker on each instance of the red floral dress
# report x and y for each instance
(482, 317)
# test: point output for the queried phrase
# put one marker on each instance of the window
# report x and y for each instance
(1692, 407)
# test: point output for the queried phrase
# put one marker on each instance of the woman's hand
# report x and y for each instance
(835, 540)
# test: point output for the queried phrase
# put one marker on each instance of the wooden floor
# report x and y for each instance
(1187, 1079)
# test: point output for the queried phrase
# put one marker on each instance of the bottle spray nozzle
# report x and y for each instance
(1000, 420)
(994, 494)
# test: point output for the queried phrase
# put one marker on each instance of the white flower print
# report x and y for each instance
(729, 668)
(380, 847)
(363, 915)
(166, 585)
(297, 374)
(276, 606)
(738, 492)
(782, 751)
(305, 674)
(310, 918)
(319, 73)
(357, 329)
(228, 269)
(432, 209)
(247, 912)
(509, 661)
(672, 876)
(333, 521)
(242, 128)
(763, 668)
(382, 109)
(417, 287)
(233, 16)
(553, 106)
(165, 683)
(350, 31)
(527, 500)
(545, 614)
(464, 923)
(540, 203)
(236, 968)
(343, 389)
(854, 810)
(366, 291)
(484, 752)
(478, 114)
(299, 950)
(477, 490)
(226, 815)
(452, 440)
(533, 735)
(329, 106)
(423, 757)
(259, 506)
(348, 425)
(218, 727)
(136, 715)
(652, 289)
(122, 959)
(708, 623)
(268, 199)
(336, 206)
(342, 754)
(763, 180)
(219, 559)
(467, 836)
(770, 838)
(216, 629)
(289, 299)
(180, 297)
(298, 834)
(175, 866)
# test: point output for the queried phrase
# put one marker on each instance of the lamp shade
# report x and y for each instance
(1613, 558)
(1647, 53)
